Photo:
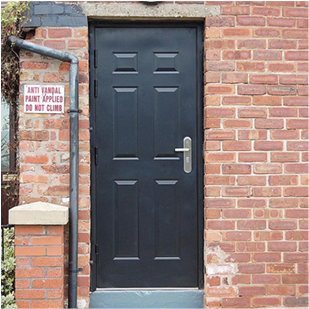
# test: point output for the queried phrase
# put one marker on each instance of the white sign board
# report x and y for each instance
(47, 99)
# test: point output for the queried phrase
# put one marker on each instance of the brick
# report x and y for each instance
(47, 304)
(21, 283)
(283, 180)
(296, 55)
(220, 291)
(29, 251)
(268, 145)
(220, 225)
(220, 157)
(229, 191)
(282, 44)
(267, 11)
(295, 257)
(266, 32)
(212, 33)
(252, 113)
(297, 146)
(303, 112)
(238, 257)
(267, 168)
(265, 279)
(241, 279)
(252, 134)
(303, 90)
(250, 21)
(236, 100)
(213, 112)
(296, 301)
(212, 100)
(251, 180)
(297, 124)
(282, 112)
(77, 43)
(47, 283)
(48, 240)
(295, 191)
(280, 290)
(236, 145)
(251, 66)
(220, 89)
(234, 78)
(251, 89)
(295, 34)
(269, 123)
(34, 65)
(294, 279)
(220, 44)
(220, 21)
(250, 246)
(252, 44)
(252, 157)
(236, 32)
(284, 134)
(251, 290)
(283, 203)
(236, 169)
(59, 33)
(301, 168)
(212, 145)
(264, 79)
(251, 268)
(235, 10)
(212, 169)
(212, 123)
(303, 66)
(251, 224)
(252, 203)
(35, 159)
(266, 235)
(29, 294)
(237, 123)
(220, 203)
(266, 301)
(47, 261)
(237, 302)
(282, 225)
(281, 67)
(267, 100)
(212, 77)
(282, 246)
(34, 135)
(267, 257)
(29, 230)
(295, 12)
(236, 55)
(219, 135)
(56, 44)
(266, 192)
(236, 213)
(220, 65)
(281, 22)
(302, 23)
(267, 55)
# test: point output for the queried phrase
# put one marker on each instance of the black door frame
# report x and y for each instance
(199, 26)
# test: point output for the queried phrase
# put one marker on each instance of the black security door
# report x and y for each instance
(145, 221)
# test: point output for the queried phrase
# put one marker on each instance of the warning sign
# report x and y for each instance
(44, 99)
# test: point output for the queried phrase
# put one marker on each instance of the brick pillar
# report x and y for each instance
(39, 251)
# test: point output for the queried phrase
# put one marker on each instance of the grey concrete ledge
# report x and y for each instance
(158, 11)
(39, 213)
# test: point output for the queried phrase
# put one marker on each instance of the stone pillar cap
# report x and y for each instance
(39, 213)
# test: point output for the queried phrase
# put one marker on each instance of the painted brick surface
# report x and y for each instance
(256, 151)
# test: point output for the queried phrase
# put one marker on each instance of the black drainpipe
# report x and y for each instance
(74, 111)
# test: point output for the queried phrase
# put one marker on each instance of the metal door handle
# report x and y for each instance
(187, 154)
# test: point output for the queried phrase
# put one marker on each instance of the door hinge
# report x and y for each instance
(95, 55)
(96, 153)
(95, 88)
(96, 249)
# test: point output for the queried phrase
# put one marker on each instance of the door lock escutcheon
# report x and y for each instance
(187, 154)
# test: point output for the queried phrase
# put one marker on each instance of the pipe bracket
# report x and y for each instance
(74, 111)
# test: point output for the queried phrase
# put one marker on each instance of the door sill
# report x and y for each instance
(147, 298)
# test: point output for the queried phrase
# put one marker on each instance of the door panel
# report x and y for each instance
(146, 206)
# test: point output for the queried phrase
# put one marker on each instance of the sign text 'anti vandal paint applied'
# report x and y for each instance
(48, 99)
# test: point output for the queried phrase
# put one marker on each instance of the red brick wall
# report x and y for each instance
(256, 156)
(256, 162)
(39, 274)
(44, 138)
